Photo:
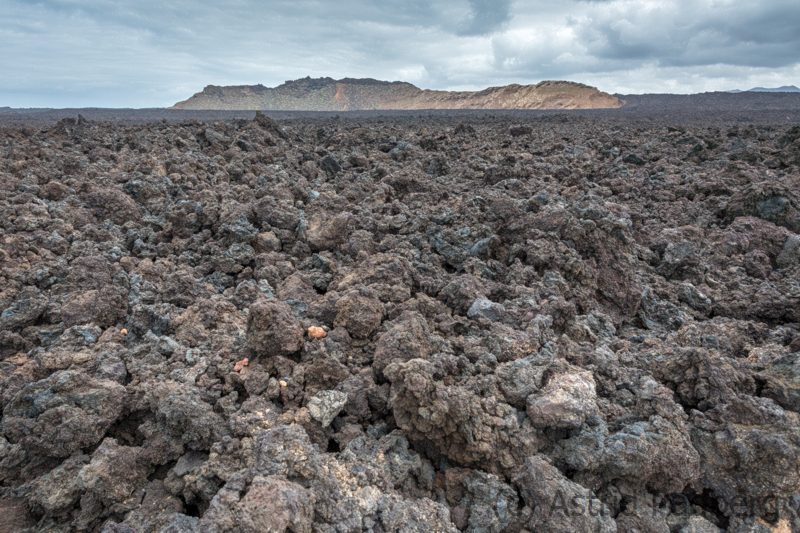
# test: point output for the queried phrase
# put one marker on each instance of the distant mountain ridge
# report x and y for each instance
(350, 94)
(783, 89)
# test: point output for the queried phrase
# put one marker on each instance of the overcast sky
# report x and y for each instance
(152, 53)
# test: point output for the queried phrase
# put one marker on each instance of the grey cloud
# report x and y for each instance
(486, 16)
(155, 52)
(694, 33)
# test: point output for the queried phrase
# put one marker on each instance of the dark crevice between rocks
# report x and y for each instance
(319, 289)
(161, 471)
(333, 446)
(198, 506)
(241, 393)
(193, 508)
(126, 429)
(708, 501)
(622, 507)
(761, 383)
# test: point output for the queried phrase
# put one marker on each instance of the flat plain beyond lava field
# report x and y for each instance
(522, 321)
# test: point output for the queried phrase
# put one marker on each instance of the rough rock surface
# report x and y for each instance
(518, 323)
(325, 405)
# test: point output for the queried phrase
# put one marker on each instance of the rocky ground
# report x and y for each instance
(558, 323)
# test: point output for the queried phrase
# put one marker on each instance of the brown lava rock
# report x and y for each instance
(483, 322)
(272, 329)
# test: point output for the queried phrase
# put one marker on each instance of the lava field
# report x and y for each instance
(486, 323)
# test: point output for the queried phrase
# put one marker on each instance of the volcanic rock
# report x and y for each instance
(325, 405)
(473, 321)
(272, 329)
